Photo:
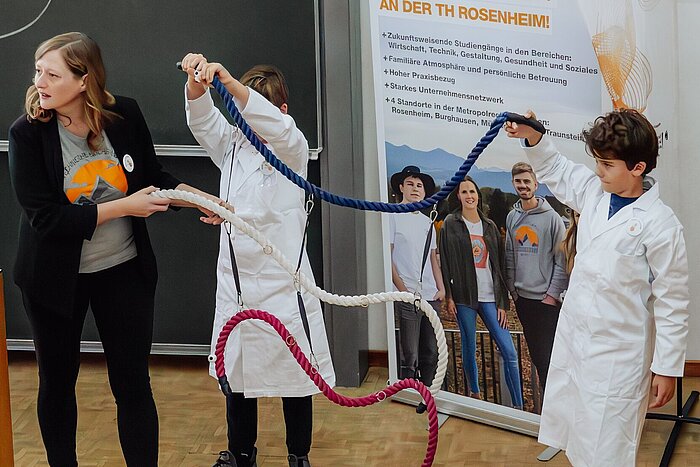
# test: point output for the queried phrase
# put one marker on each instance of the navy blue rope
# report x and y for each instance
(351, 202)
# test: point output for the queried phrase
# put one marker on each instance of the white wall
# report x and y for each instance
(678, 175)
(688, 167)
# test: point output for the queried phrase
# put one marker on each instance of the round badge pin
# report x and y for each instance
(634, 227)
(128, 163)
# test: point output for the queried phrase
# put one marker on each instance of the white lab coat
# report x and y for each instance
(257, 361)
(624, 316)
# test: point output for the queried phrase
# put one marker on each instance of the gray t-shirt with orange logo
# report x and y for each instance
(93, 178)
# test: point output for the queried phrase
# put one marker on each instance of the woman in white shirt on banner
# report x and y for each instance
(471, 256)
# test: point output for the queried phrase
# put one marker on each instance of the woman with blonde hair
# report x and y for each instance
(82, 165)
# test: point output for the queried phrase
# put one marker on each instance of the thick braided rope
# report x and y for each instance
(352, 202)
(310, 285)
(327, 391)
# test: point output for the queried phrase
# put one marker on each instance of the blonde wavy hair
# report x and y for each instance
(83, 57)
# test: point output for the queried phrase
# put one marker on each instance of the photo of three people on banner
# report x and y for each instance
(511, 272)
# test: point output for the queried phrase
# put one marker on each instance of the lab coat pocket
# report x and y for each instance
(267, 187)
(629, 370)
(625, 247)
(277, 194)
(628, 264)
(614, 368)
(267, 193)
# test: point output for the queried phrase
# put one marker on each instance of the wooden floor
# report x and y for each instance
(192, 426)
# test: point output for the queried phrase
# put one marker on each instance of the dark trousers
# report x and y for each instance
(123, 311)
(419, 354)
(242, 419)
(539, 322)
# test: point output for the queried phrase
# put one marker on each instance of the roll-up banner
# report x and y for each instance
(442, 72)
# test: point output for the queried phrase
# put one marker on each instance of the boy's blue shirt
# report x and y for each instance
(618, 202)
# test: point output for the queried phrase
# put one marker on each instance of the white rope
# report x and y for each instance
(17, 31)
(304, 281)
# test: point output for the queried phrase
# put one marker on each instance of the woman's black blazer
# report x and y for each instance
(52, 229)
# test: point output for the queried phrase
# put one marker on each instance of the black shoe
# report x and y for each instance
(247, 460)
(298, 461)
(225, 459)
(421, 408)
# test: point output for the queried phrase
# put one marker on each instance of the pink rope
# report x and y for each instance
(321, 384)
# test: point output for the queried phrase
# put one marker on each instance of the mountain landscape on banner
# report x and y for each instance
(442, 165)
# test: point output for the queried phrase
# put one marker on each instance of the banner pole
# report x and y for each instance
(6, 449)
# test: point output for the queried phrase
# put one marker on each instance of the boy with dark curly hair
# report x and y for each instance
(621, 337)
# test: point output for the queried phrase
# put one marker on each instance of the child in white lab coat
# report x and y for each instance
(621, 337)
(258, 363)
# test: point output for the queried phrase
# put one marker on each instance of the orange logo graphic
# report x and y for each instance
(479, 251)
(626, 71)
(526, 236)
(93, 174)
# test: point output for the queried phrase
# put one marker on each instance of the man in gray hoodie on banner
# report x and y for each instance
(535, 266)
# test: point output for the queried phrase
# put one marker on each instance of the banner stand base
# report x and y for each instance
(548, 454)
